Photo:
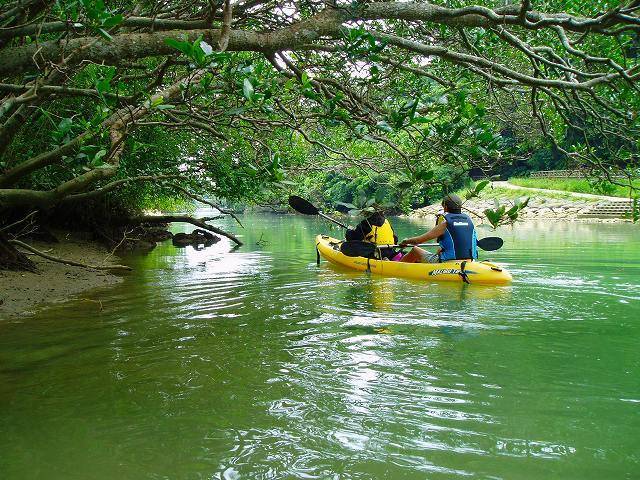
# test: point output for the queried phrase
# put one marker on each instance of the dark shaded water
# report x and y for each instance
(259, 364)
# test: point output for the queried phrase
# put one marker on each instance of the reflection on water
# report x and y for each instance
(257, 363)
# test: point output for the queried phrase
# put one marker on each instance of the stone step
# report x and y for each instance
(612, 209)
(602, 215)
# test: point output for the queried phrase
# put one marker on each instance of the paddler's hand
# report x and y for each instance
(405, 242)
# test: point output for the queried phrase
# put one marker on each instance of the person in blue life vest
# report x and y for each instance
(455, 232)
(375, 228)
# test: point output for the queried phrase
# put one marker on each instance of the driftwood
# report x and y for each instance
(198, 222)
(195, 238)
(28, 247)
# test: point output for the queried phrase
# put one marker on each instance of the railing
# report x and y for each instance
(567, 174)
(559, 174)
(551, 174)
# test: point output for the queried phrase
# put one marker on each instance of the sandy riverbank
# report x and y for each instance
(22, 293)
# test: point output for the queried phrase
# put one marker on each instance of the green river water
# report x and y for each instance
(257, 364)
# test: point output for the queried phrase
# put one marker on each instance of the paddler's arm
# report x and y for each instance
(435, 232)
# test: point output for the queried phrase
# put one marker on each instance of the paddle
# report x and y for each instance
(307, 208)
(489, 244)
(366, 249)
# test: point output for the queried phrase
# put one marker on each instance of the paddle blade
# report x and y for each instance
(301, 205)
(357, 248)
(490, 243)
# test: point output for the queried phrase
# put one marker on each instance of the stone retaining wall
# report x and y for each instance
(538, 208)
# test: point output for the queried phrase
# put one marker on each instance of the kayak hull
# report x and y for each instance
(476, 272)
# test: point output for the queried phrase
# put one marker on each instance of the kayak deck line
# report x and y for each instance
(467, 271)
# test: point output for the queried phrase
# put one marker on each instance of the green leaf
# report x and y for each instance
(235, 111)
(166, 107)
(513, 210)
(156, 101)
(384, 126)
(424, 175)
(184, 47)
(98, 157)
(112, 21)
(350, 206)
(103, 33)
(65, 124)
(485, 136)
(420, 120)
(360, 199)
(206, 48)
(480, 186)
(247, 89)
(493, 216)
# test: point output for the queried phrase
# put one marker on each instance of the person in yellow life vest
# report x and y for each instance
(375, 229)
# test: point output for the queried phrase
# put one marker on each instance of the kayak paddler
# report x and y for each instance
(375, 228)
(455, 232)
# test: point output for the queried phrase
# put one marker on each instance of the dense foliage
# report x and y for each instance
(251, 100)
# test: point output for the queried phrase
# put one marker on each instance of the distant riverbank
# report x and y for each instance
(563, 206)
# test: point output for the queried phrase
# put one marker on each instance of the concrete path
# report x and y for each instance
(511, 186)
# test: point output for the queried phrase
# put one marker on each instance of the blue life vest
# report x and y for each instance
(459, 240)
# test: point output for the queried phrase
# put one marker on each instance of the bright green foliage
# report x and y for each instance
(360, 120)
(592, 186)
(503, 214)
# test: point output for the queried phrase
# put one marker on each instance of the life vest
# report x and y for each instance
(459, 240)
(382, 235)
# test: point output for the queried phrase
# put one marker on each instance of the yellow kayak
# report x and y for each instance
(469, 271)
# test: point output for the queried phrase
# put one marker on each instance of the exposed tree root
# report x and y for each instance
(12, 259)
(28, 247)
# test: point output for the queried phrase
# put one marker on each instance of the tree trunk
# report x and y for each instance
(12, 259)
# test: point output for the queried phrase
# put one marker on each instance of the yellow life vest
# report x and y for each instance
(381, 235)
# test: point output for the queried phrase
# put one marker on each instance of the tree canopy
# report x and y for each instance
(229, 98)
